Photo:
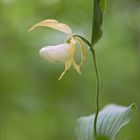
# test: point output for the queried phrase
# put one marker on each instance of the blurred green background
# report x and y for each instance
(33, 103)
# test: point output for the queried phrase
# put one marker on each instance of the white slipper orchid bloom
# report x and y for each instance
(64, 52)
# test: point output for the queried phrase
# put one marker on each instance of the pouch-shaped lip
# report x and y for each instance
(58, 53)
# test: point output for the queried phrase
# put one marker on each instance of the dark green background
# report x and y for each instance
(34, 105)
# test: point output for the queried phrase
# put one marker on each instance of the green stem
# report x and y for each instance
(96, 68)
(97, 91)
(98, 82)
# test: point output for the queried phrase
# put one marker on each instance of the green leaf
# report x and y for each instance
(98, 12)
(110, 120)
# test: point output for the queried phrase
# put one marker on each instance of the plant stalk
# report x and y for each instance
(97, 83)
(97, 91)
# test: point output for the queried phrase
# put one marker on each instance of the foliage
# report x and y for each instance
(110, 120)
(98, 12)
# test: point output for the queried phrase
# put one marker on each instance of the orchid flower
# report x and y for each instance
(64, 52)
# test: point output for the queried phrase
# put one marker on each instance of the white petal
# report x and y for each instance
(59, 53)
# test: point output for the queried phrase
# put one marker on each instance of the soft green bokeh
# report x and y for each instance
(34, 105)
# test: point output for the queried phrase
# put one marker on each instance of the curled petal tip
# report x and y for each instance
(60, 78)
(78, 70)
(67, 66)
(31, 29)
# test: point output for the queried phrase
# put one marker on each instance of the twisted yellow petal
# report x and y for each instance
(83, 54)
(53, 24)
(72, 53)
(67, 66)
(83, 49)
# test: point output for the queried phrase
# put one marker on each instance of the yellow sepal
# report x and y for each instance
(53, 24)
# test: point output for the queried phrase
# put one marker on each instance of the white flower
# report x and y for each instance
(64, 52)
